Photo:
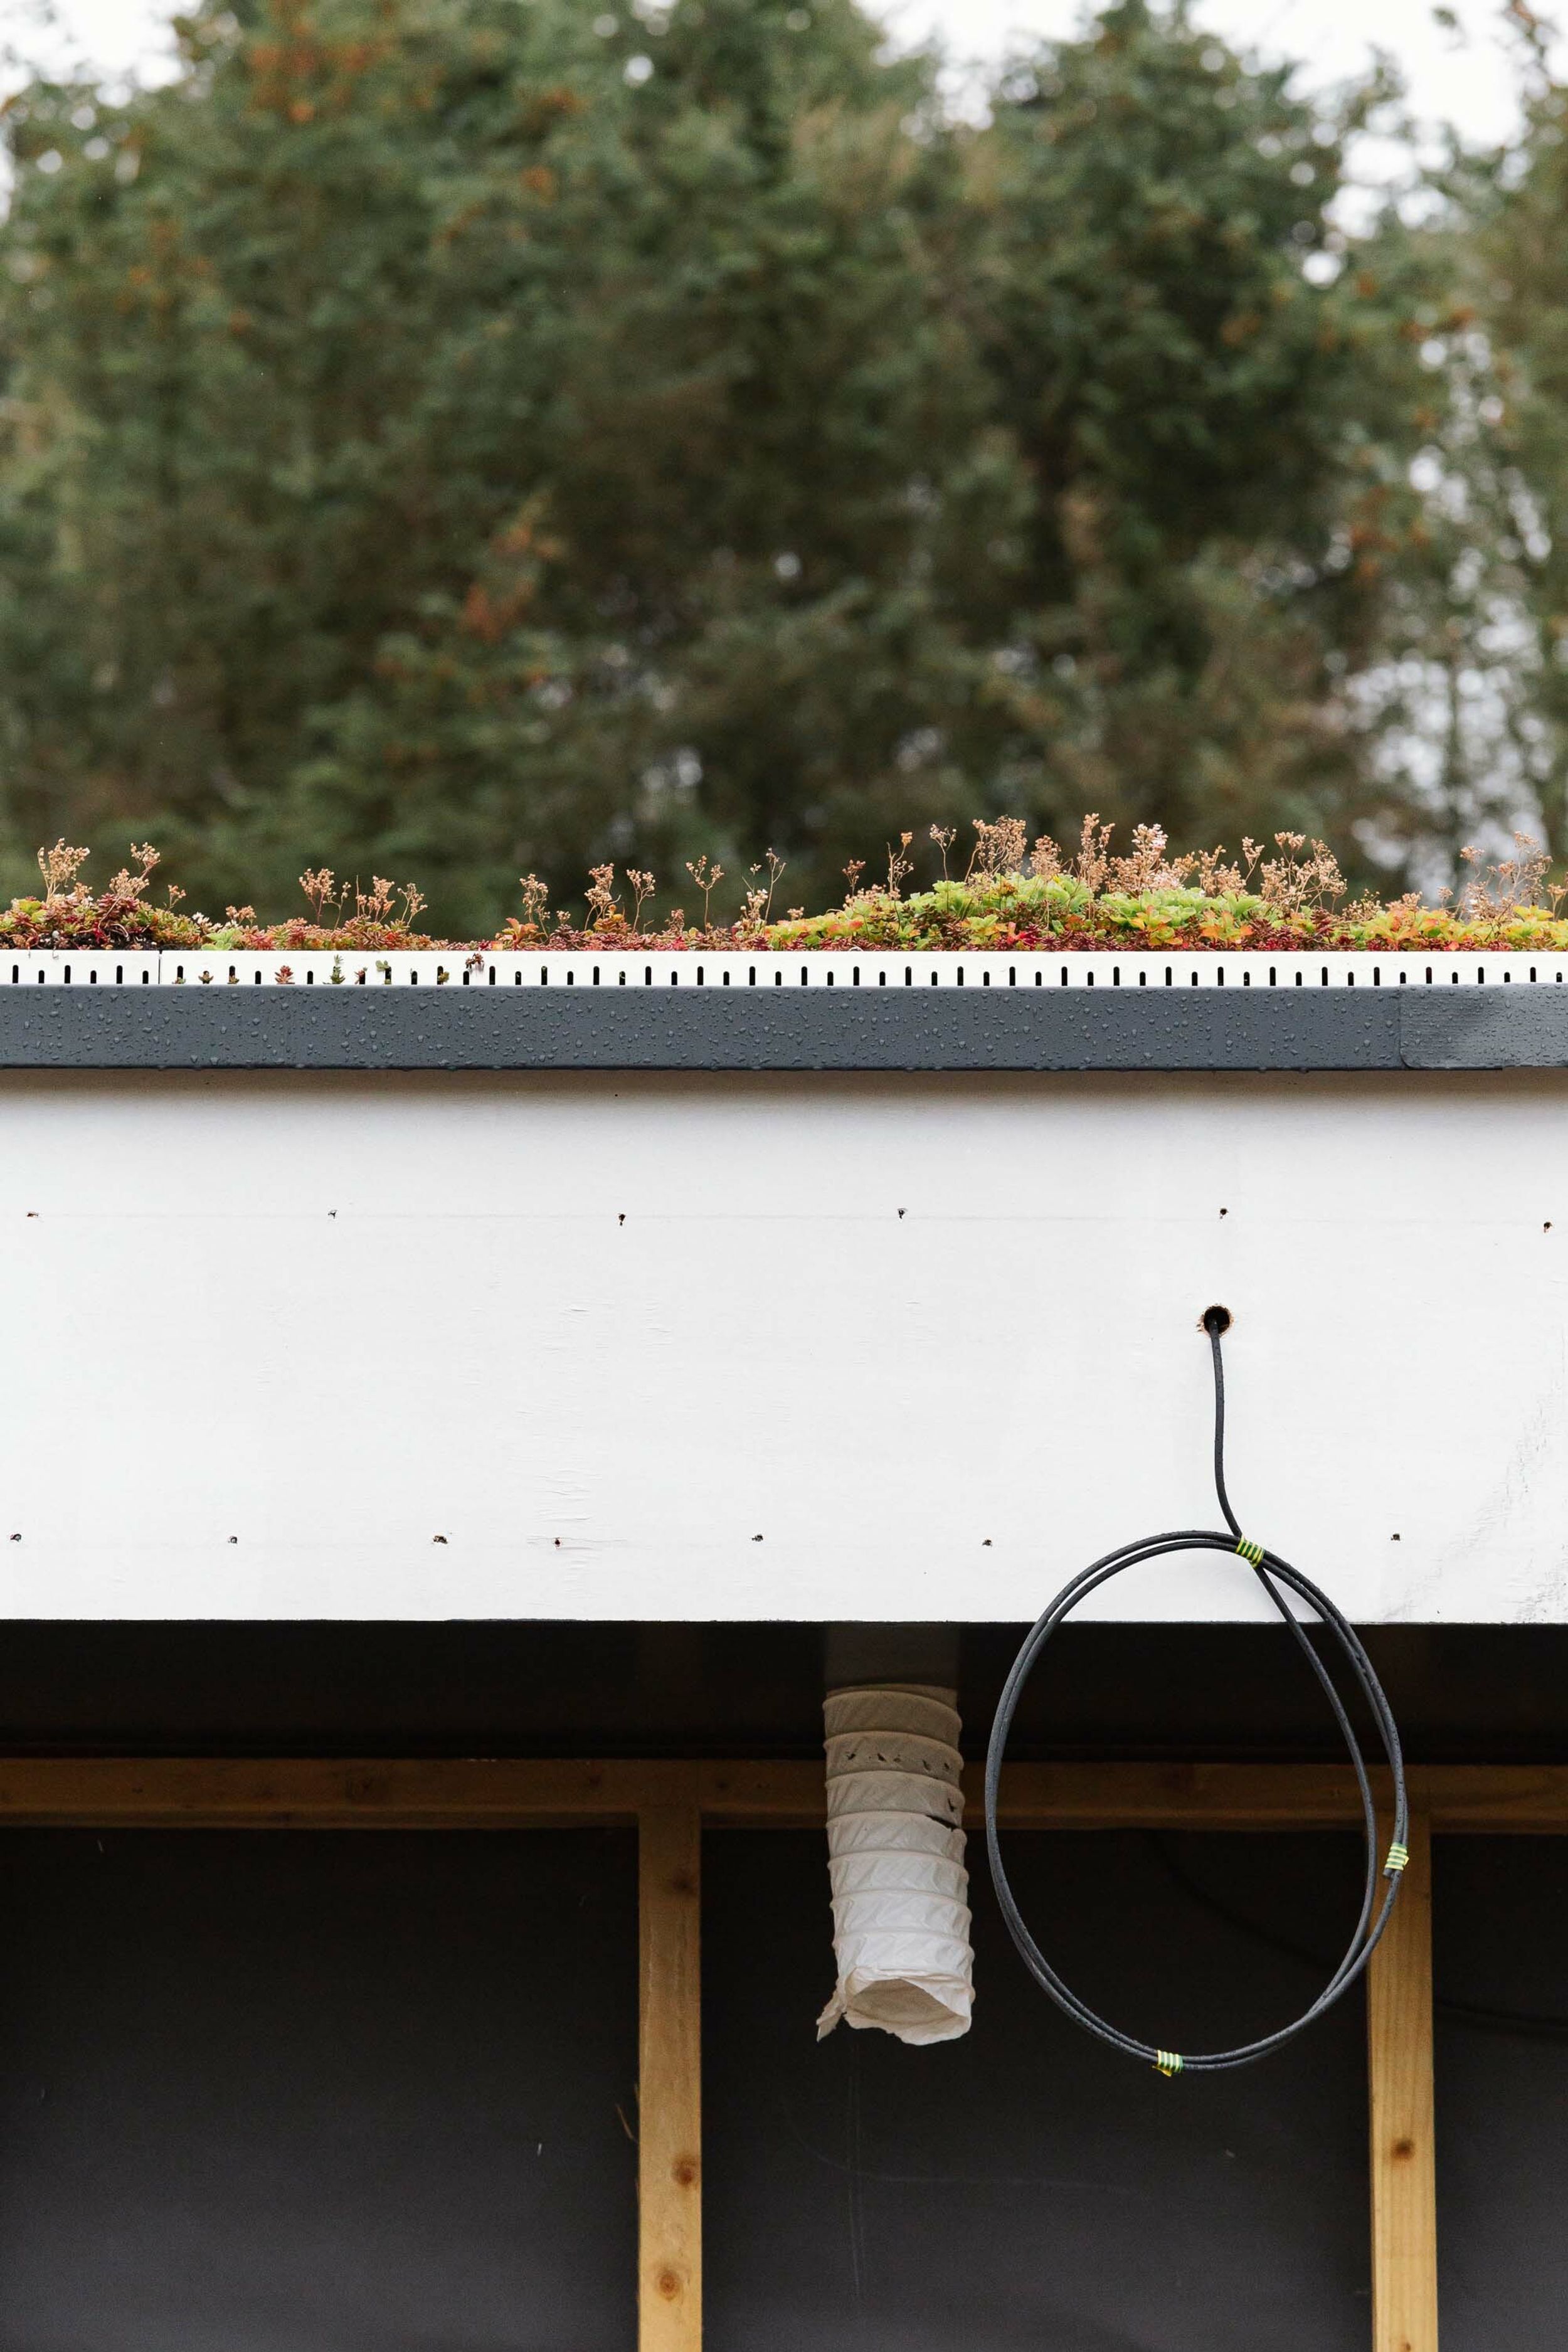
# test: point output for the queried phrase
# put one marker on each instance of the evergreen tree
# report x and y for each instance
(459, 436)
(1496, 676)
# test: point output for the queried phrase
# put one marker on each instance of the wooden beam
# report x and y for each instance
(785, 1795)
(781, 1794)
(306, 1792)
(1460, 1800)
(669, 2096)
(1493, 1800)
(539, 1793)
(1403, 2165)
(1173, 1795)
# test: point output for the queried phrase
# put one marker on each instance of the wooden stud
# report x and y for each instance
(670, 2127)
(1403, 2165)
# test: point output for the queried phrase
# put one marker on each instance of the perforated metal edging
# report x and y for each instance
(1040, 971)
(810, 1027)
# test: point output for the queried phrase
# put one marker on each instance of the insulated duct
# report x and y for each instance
(895, 1845)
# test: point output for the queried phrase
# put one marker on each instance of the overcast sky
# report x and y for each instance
(1465, 78)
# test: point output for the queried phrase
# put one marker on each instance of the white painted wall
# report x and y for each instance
(934, 1341)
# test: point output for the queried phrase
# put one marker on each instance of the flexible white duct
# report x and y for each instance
(895, 1845)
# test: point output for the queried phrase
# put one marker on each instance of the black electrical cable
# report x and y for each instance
(1278, 1578)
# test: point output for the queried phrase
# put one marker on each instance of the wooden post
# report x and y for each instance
(670, 2097)
(1404, 2170)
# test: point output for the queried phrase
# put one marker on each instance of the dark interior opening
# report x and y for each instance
(1025, 2186)
(1478, 1694)
(318, 2091)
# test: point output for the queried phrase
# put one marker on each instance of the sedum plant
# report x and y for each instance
(1011, 896)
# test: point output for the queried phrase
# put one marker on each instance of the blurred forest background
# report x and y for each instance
(455, 438)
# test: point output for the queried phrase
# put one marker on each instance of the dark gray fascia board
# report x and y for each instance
(715, 1029)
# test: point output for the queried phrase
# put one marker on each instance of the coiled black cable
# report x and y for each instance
(1276, 1577)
